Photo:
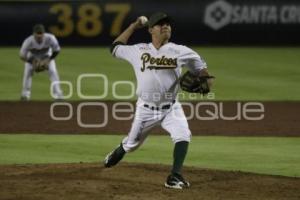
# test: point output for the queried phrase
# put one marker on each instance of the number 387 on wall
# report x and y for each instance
(88, 21)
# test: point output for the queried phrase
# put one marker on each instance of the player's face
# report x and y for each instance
(161, 30)
(38, 37)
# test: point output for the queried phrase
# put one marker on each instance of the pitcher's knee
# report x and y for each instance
(183, 136)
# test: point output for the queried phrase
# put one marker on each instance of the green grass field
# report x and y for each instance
(242, 73)
(266, 155)
(265, 74)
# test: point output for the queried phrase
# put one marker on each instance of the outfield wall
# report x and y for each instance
(209, 22)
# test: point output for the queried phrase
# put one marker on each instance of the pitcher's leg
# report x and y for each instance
(140, 128)
(27, 82)
(135, 138)
(114, 157)
(137, 135)
(179, 153)
(54, 78)
(176, 124)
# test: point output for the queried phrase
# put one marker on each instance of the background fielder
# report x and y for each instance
(38, 52)
(157, 67)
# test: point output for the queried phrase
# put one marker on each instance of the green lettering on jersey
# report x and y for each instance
(157, 63)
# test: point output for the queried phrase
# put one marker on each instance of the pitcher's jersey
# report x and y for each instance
(46, 47)
(158, 70)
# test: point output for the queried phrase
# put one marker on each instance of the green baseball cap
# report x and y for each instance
(39, 28)
(157, 17)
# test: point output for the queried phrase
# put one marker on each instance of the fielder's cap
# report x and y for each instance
(158, 17)
(39, 28)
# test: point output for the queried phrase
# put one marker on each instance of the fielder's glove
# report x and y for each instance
(195, 84)
(40, 65)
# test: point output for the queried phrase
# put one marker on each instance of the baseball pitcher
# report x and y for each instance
(38, 52)
(157, 67)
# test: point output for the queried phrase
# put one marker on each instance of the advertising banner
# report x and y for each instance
(207, 22)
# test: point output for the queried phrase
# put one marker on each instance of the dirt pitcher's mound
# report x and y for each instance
(136, 181)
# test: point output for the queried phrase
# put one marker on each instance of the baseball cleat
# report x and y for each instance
(176, 181)
(107, 160)
(114, 157)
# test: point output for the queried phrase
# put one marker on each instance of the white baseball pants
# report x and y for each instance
(173, 120)
(53, 75)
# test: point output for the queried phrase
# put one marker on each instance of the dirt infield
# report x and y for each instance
(139, 181)
(280, 119)
(136, 181)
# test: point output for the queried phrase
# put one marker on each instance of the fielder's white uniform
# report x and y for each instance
(157, 73)
(31, 47)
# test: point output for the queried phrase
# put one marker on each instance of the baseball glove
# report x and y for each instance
(195, 84)
(40, 65)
